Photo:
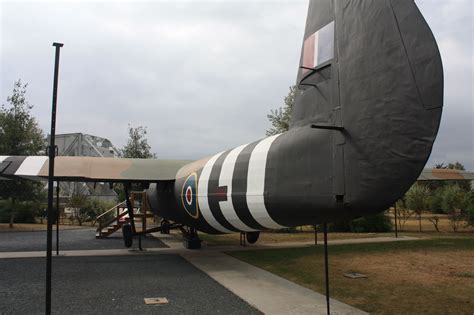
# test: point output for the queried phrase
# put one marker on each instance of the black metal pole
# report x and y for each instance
(315, 234)
(131, 215)
(396, 226)
(57, 218)
(326, 264)
(52, 148)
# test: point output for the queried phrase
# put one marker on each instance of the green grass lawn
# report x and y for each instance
(431, 276)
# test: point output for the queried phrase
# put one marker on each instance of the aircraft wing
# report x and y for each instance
(90, 169)
(445, 174)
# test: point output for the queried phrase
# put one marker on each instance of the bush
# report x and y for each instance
(93, 208)
(340, 226)
(453, 197)
(436, 201)
(371, 223)
(470, 212)
(287, 230)
(457, 204)
(26, 211)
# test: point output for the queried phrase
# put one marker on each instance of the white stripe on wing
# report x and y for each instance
(31, 166)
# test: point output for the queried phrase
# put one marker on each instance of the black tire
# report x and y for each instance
(163, 224)
(127, 235)
(252, 237)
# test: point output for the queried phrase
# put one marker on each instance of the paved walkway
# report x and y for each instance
(263, 290)
(114, 285)
(69, 239)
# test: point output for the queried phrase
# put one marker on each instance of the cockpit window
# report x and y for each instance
(319, 47)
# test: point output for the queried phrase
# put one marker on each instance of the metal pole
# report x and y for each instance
(52, 146)
(315, 234)
(57, 218)
(326, 264)
(396, 226)
(130, 205)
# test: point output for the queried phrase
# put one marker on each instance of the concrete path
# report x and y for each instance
(263, 290)
(69, 239)
(115, 285)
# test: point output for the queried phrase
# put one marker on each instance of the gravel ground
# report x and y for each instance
(74, 239)
(114, 284)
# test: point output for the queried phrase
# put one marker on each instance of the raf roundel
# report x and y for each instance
(188, 195)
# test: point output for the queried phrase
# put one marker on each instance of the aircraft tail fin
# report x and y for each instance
(354, 50)
(370, 80)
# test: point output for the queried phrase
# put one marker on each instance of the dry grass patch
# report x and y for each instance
(271, 237)
(411, 277)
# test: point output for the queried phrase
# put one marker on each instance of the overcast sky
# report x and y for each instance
(200, 75)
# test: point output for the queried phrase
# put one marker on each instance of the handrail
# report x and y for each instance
(102, 225)
(106, 212)
(104, 221)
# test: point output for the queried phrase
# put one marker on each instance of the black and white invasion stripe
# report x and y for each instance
(231, 189)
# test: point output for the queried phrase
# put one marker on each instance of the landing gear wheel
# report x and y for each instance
(252, 237)
(127, 235)
(191, 239)
(164, 227)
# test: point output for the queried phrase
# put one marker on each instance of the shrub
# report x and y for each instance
(93, 208)
(470, 213)
(287, 230)
(418, 198)
(436, 201)
(26, 211)
(456, 203)
(403, 213)
(370, 223)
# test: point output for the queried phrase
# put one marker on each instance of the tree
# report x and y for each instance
(456, 203)
(436, 200)
(77, 202)
(20, 134)
(470, 210)
(93, 208)
(280, 118)
(456, 166)
(436, 184)
(137, 146)
(403, 213)
(417, 199)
